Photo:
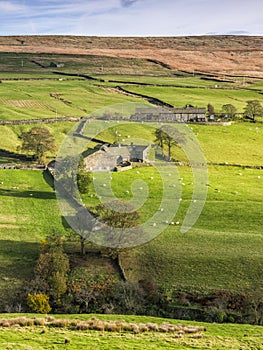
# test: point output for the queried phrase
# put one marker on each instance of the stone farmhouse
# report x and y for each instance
(175, 115)
(116, 157)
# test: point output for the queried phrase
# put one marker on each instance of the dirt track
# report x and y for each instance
(219, 55)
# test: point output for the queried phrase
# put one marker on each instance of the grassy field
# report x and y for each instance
(181, 80)
(29, 211)
(23, 99)
(239, 143)
(226, 238)
(222, 250)
(32, 99)
(215, 337)
(55, 98)
(236, 144)
(179, 97)
(58, 130)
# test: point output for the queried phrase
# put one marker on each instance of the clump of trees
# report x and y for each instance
(39, 141)
(77, 289)
(252, 110)
(51, 271)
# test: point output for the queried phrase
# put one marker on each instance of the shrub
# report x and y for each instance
(129, 298)
(39, 303)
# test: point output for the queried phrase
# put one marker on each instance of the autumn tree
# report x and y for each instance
(39, 141)
(253, 109)
(122, 220)
(52, 269)
(91, 292)
(229, 110)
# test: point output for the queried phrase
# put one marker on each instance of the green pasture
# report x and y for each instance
(32, 99)
(216, 337)
(16, 76)
(29, 211)
(10, 141)
(200, 97)
(238, 143)
(181, 81)
(222, 250)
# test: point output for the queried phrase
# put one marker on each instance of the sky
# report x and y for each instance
(131, 17)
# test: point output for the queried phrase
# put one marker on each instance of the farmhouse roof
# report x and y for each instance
(189, 110)
(116, 149)
(152, 110)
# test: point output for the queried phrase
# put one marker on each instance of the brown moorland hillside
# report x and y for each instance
(217, 55)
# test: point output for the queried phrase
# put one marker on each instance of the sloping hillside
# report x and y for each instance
(217, 55)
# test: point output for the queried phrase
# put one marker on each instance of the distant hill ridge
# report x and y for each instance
(219, 55)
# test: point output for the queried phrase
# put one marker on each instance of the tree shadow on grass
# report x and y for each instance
(48, 178)
(93, 139)
(12, 157)
(27, 194)
(17, 259)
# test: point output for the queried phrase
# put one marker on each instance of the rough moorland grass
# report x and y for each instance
(84, 64)
(216, 337)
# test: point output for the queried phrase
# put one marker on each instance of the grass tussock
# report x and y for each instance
(95, 324)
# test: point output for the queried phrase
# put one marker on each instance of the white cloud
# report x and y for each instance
(131, 17)
(9, 7)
